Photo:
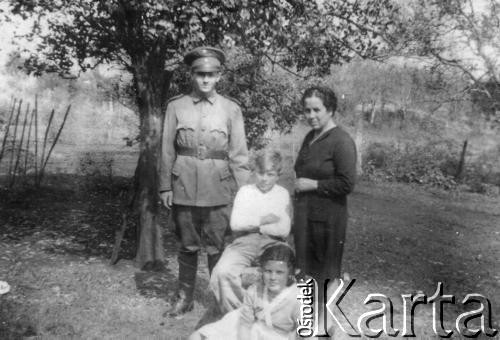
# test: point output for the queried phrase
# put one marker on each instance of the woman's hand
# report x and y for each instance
(305, 184)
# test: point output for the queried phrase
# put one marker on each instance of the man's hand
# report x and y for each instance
(166, 198)
(269, 218)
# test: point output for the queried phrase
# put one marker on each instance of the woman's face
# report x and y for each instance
(316, 113)
(275, 275)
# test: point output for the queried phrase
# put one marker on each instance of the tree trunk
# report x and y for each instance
(151, 82)
(149, 245)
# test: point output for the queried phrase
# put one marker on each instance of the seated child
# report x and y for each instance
(260, 218)
(270, 308)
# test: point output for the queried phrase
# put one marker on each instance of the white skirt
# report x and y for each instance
(227, 329)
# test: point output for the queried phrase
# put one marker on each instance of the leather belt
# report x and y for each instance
(201, 153)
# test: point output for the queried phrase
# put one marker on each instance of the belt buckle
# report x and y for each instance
(202, 152)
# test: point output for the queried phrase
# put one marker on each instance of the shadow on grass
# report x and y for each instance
(14, 328)
(72, 214)
(156, 284)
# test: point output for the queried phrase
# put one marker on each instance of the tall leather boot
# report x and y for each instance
(188, 265)
(212, 261)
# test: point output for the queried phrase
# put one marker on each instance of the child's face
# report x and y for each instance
(275, 275)
(266, 178)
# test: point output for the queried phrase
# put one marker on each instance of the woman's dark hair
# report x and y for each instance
(324, 93)
(279, 252)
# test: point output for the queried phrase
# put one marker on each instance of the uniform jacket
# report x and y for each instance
(206, 124)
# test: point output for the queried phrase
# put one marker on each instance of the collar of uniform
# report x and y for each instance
(197, 99)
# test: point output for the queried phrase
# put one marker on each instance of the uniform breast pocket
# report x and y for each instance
(185, 134)
(218, 134)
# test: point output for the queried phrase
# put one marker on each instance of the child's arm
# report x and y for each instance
(243, 217)
(281, 227)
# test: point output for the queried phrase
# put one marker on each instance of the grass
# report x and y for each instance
(55, 246)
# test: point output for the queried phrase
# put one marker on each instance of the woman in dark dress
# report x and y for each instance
(325, 171)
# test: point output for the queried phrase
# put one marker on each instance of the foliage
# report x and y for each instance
(482, 177)
(148, 39)
(77, 35)
(96, 171)
(400, 89)
(268, 96)
(459, 36)
(91, 165)
(112, 30)
(486, 97)
(421, 164)
(433, 164)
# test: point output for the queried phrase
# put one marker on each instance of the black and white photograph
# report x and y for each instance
(249, 169)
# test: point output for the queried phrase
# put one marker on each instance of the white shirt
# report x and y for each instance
(251, 204)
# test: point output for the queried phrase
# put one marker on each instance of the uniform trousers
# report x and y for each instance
(196, 228)
(201, 227)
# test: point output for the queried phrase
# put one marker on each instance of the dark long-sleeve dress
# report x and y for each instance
(321, 215)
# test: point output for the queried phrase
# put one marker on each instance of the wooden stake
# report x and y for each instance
(14, 137)
(28, 143)
(7, 129)
(20, 148)
(42, 169)
(40, 174)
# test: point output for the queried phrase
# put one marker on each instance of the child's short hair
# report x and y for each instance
(265, 157)
(279, 252)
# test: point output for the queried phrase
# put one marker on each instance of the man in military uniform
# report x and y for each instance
(203, 161)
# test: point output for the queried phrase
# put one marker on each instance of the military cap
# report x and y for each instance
(205, 58)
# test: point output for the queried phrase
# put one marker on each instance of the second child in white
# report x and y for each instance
(260, 218)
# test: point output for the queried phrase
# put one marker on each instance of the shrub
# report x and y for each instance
(481, 178)
(378, 155)
(433, 164)
(95, 164)
(423, 164)
(97, 171)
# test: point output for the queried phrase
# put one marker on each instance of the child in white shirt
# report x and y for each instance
(270, 309)
(260, 218)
